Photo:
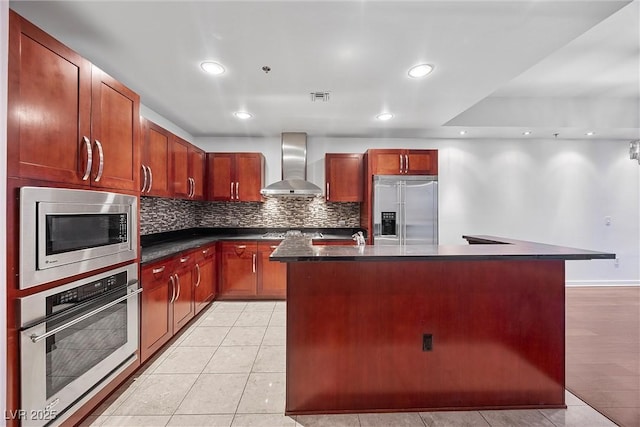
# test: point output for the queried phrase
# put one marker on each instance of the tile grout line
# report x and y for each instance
(205, 365)
(252, 365)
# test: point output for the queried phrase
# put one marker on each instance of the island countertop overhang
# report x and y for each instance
(482, 248)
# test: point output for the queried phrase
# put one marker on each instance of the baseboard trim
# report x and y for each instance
(602, 283)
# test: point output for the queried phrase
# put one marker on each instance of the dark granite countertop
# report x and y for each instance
(483, 248)
(162, 245)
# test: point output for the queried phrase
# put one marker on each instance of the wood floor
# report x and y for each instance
(603, 350)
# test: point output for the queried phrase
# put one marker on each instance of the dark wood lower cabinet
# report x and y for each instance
(174, 291)
(205, 286)
(247, 273)
(156, 314)
(272, 275)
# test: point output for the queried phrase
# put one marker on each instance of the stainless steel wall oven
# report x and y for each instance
(66, 232)
(75, 338)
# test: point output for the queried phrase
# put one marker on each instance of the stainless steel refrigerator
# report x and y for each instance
(405, 210)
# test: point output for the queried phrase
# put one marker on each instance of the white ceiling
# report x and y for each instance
(501, 67)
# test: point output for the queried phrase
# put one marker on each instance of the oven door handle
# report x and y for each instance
(35, 338)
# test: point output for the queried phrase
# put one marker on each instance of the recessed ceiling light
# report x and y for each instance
(384, 116)
(463, 132)
(421, 70)
(212, 68)
(590, 133)
(242, 115)
(526, 132)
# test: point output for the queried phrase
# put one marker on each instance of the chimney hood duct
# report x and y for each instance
(294, 169)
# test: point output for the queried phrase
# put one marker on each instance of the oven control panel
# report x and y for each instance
(90, 290)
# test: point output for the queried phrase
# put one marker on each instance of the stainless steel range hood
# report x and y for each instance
(294, 169)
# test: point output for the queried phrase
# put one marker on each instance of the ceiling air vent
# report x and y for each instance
(319, 96)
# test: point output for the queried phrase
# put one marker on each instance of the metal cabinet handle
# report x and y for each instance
(198, 282)
(205, 252)
(87, 170)
(406, 163)
(178, 280)
(101, 164)
(193, 187)
(150, 179)
(241, 247)
(237, 190)
(144, 183)
(232, 191)
(184, 259)
(401, 164)
(35, 338)
(158, 270)
(254, 262)
(274, 246)
(173, 289)
(328, 191)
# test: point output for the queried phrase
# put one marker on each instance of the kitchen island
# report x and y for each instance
(418, 328)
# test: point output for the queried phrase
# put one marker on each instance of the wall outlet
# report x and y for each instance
(607, 220)
(427, 342)
(234, 221)
(616, 262)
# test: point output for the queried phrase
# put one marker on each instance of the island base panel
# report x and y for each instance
(356, 335)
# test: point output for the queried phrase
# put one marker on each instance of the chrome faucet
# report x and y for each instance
(359, 238)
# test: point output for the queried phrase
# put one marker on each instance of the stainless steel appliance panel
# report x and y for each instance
(74, 336)
(66, 232)
(387, 218)
(405, 210)
(420, 212)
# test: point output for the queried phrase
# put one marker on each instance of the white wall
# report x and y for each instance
(150, 114)
(4, 55)
(550, 191)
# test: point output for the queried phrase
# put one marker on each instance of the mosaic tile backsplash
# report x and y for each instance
(161, 215)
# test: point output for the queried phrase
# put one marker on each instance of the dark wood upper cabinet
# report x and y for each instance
(344, 177)
(180, 183)
(235, 176)
(196, 172)
(115, 130)
(402, 162)
(68, 121)
(156, 160)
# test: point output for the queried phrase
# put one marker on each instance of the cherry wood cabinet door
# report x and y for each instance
(196, 172)
(249, 176)
(344, 177)
(156, 158)
(238, 275)
(179, 167)
(49, 106)
(220, 185)
(205, 281)
(386, 162)
(183, 306)
(422, 162)
(115, 130)
(156, 313)
(272, 275)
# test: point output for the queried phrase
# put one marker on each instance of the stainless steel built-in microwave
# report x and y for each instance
(66, 232)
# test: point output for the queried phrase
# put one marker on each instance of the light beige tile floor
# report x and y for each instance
(228, 369)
